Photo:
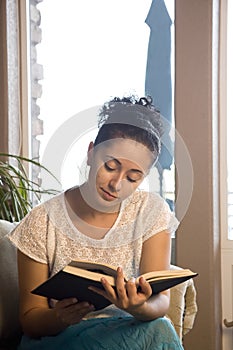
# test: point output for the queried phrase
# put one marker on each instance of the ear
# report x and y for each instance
(90, 153)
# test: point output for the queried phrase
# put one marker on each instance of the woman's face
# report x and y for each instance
(117, 168)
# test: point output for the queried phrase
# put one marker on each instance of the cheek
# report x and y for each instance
(130, 187)
(101, 175)
(134, 186)
(127, 188)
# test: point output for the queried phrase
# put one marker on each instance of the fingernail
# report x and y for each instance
(132, 280)
(103, 280)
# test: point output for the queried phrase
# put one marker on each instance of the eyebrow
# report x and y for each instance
(119, 163)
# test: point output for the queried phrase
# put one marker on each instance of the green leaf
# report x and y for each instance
(16, 188)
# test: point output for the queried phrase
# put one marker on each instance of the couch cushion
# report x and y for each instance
(9, 295)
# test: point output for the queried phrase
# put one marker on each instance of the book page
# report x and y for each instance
(95, 267)
(164, 274)
(87, 274)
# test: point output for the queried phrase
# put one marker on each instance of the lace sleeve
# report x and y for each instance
(30, 235)
(159, 217)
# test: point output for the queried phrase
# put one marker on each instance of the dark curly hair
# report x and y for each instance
(131, 118)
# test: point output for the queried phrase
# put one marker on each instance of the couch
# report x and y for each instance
(182, 311)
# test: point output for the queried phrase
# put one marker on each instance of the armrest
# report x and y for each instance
(183, 307)
(9, 295)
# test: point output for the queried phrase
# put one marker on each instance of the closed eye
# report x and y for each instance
(108, 168)
(131, 180)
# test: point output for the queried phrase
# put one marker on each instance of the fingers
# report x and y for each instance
(61, 304)
(145, 287)
(70, 311)
(132, 294)
(131, 288)
(120, 284)
(114, 295)
(125, 295)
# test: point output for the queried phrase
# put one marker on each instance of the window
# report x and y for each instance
(88, 57)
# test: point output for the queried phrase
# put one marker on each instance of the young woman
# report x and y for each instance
(107, 219)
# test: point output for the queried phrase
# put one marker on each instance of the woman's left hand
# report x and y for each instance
(126, 296)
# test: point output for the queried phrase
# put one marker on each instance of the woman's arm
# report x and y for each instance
(155, 256)
(36, 317)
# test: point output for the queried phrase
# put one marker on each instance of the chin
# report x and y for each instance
(98, 203)
(108, 206)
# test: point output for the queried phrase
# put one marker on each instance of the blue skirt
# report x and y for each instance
(110, 334)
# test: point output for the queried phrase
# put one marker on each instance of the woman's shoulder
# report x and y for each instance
(145, 204)
(155, 213)
(51, 202)
(143, 197)
(41, 210)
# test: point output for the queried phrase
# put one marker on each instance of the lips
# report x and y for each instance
(108, 195)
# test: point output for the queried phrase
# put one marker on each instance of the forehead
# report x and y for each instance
(127, 150)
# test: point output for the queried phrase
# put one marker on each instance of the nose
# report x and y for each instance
(115, 184)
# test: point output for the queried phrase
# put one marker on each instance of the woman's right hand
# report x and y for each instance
(70, 311)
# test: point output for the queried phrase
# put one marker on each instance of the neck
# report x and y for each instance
(85, 217)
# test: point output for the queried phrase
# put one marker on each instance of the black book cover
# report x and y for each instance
(65, 285)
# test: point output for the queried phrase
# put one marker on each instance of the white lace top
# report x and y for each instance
(48, 235)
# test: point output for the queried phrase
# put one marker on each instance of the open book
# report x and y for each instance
(75, 278)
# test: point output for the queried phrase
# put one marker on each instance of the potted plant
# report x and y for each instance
(18, 192)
